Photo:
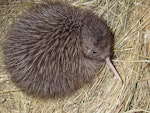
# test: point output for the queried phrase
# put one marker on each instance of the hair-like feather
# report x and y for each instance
(53, 49)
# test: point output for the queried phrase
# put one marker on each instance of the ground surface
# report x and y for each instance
(130, 22)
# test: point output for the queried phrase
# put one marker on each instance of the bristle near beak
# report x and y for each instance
(111, 66)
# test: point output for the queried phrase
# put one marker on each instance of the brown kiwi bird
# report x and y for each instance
(53, 49)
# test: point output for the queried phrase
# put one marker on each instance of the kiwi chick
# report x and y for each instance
(53, 49)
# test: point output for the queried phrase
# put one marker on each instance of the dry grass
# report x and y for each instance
(130, 21)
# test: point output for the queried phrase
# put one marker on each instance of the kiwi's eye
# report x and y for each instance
(94, 52)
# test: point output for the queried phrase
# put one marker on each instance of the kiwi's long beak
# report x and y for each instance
(108, 62)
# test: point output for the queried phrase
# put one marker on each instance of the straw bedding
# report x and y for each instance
(130, 22)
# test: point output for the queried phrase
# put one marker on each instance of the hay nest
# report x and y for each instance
(130, 22)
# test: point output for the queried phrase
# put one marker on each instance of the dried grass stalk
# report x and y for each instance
(130, 21)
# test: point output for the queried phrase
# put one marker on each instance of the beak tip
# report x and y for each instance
(108, 62)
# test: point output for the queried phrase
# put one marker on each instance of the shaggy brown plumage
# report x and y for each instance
(53, 49)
